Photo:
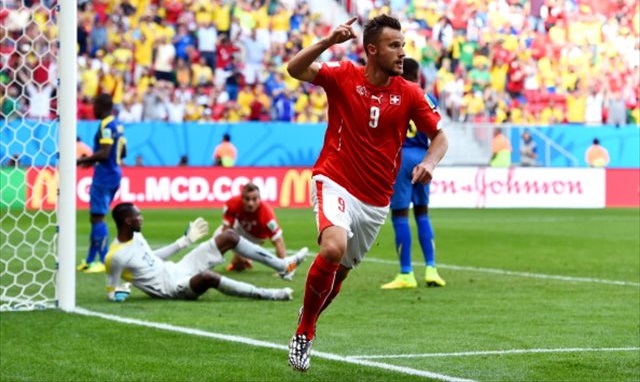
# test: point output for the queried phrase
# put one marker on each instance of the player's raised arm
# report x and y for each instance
(302, 66)
(423, 172)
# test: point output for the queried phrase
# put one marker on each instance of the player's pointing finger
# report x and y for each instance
(351, 21)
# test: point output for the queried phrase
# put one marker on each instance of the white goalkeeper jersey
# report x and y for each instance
(135, 262)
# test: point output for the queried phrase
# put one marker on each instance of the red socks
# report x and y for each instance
(318, 288)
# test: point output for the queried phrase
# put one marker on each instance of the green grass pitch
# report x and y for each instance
(531, 295)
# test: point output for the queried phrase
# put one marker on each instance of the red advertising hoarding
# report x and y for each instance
(180, 187)
(623, 188)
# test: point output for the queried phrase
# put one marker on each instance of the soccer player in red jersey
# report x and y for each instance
(369, 110)
(254, 220)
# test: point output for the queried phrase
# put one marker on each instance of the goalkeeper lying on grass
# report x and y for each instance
(131, 259)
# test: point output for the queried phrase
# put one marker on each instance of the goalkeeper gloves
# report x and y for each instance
(196, 230)
(121, 293)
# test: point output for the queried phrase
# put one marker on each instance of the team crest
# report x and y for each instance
(394, 99)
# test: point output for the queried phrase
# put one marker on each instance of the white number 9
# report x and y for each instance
(374, 116)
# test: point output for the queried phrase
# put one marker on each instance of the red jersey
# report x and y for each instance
(367, 126)
(261, 224)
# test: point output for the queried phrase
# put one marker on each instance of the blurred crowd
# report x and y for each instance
(502, 61)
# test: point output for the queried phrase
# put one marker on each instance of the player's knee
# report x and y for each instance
(332, 252)
(203, 281)
(226, 240)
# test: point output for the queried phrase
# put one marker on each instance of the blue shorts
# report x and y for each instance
(100, 198)
(405, 193)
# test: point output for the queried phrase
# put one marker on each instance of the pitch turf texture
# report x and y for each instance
(531, 295)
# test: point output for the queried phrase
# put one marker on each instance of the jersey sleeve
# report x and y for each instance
(108, 131)
(229, 212)
(268, 220)
(114, 266)
(329, 74)
(424, 112)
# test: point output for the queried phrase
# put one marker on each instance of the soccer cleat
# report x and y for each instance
(292, 263)
(433, 278)
(284, 294)
(239, 265)
(83, 266)
(402, 281)
(96, 267)
(300, 352)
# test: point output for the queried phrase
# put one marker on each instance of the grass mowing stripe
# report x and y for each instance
(265, 344)
(495, 352)
(513, 273)
(498, 271)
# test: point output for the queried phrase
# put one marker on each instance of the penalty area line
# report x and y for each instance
(269, 345)
(495, 352)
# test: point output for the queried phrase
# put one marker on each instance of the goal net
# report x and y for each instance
(32, 159)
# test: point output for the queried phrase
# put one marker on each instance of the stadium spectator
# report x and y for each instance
(594, 108)
(82, 149)
(175, 108)
(189, 278)
(596, 155)
(553, 42)
(254, 219)
(39, 95)
(11, 103)
(405, 193)
(528, 150)
(225, 153)
(616, 107)
(164, 56)
(501, 150)
(254, 52)
(131, 110)
(350, 210)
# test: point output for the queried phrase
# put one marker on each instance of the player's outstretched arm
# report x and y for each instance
(423, 172)
(116, 292)
(302, 66)
(281, 249)
(195, 231)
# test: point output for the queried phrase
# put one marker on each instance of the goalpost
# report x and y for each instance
(37, 224)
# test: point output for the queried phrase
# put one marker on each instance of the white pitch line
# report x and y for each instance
(495, 352)
(513, 273)
(270, 345)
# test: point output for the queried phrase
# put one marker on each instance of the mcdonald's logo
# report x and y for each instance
(295, 188)
(43, 191)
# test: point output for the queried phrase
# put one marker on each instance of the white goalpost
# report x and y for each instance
(66, 211)
(37, 154)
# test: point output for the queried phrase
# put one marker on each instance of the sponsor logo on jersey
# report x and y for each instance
(377, 97)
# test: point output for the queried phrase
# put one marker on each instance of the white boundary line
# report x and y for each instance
(500, 272)
(270, 345)
(495, 352)
(513, 273)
